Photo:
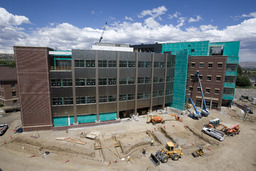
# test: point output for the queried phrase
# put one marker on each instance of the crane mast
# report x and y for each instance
(101, 37)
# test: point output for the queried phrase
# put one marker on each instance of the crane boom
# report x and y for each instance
(101, 37)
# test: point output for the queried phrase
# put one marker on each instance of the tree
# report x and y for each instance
(243, 81)
(239, 70)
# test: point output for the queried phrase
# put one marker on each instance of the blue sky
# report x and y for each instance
(69, 24)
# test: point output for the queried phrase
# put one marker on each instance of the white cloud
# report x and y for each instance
(198, 18)
(154, 12)
(252, 14)
(67, 36)
(175, 15)
(128, 18)
(8, 19)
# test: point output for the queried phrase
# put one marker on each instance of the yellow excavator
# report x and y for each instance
(170, 151)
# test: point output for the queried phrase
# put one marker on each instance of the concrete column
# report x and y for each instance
(152, 82)
(165, 74)
(136, 84)
(117, 83)
(74, 89)
(96, 83)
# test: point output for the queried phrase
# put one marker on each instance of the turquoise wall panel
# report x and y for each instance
(232, 60)
(60, 121)
(227, 97)
(86, 118)
(230, 85)
(230, 73)
(107, 116)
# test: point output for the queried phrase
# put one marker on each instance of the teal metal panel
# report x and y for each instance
(230, 85)
(232, 60)
(60, 121)
(72, 119)
(86, 118)
(107, 116)
(227, 97)
(180, 80)
(230, 48)
(230, 73)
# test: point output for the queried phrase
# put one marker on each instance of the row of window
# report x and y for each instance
(208, 77)
(227, 91)
(107, 81)
(210, 65)
(102, 99)
(125, 64)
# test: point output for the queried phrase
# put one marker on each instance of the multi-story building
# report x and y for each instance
(79, 87)
(9, 91)
(217, 63)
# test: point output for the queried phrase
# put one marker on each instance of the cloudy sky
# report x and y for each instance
(66, 24)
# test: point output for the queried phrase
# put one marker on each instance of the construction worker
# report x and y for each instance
(144, 152)
(152, 142)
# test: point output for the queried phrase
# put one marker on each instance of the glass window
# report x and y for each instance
(155, 94)
(219, 65)
(90, 82)
(162, 64)
(66, 82)
(209, 78)
(13, 93)
(208, 90)
(79, 63)
(102, 63)
(231, 67)
(141, 64)
(68, 100)
(140, 96)
(200, 77)
(80, 100)
(161, 79)
(90, 63)
(141, 80)
(56, 82)
(169, 64)
(79, 82)
(192, 77)
(217, 91)
(156, 80)
(161, 93)
(131, 64)
(131, 80)
(111, 63)
(91, 99)
(147, 79)
(199, 89)
(198, 103)
(156, 64)
(193, 64)
(122, 97)
(57, 101)
(122, 80)
(103, 81)
(147, 95)
(122, 63)
(112, 81)
(230, 79)
(12, 85)
(103, 99)
(191, 88)
(130, 96)
(218, 78)
(228, 91)
(201, 65)
(148, 64)
(112, 98)
(210, 65)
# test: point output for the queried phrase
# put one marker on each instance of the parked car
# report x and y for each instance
(214, 133)
(3, 128)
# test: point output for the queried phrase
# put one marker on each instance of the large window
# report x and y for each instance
(103, 99)
(131, 80)
(140, 96)
(90, 63)
(230, 79)
(80, 82)
(123, 64)
(123, 97)
(231, 67)
(147, 79)
(111, 63)
(80, 100)
(141, 80)
(103, 81)
(56, 82)
(141, 64)
(131, 64)
(90, 82)
(68, 100)
(122, 80)
(91, 99)
(79, 63)
(228, 91)
(56, 101)
(66, 82)
(111, 81)
(102, 63)
(148, 64)
(112, 98)
(130, 96)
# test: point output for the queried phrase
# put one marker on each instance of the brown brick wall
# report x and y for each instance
(205, 71)
(33, 79)
(6, 93)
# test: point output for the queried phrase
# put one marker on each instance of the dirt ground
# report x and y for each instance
(27, 151)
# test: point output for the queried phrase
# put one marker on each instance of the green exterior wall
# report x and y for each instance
(107, 116)
(86, 118)
(62, 121)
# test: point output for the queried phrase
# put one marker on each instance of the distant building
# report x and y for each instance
(9, 90)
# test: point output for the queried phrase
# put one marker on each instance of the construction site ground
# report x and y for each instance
(41, 151)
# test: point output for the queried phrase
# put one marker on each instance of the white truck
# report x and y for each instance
(3, 128)
(214, 133)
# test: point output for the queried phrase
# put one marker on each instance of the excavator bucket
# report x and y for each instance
(154, 159)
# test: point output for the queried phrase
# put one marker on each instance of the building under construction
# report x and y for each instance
(60, 89)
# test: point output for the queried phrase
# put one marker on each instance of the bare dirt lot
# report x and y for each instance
(28, 151)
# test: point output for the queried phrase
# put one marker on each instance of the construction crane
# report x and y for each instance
(204, 111)
(101, 37)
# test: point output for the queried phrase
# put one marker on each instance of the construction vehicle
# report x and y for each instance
(170, 151)
(155, 118)
(215, 123)
(214, 133)
(204, 110)
(198, 152)
(3, 128)
(101, 37)
(178, 118)
(195, 114)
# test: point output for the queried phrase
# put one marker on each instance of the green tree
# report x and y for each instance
(239, 70)
(243, 81)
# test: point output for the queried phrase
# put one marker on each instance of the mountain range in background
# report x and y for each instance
(247, 64)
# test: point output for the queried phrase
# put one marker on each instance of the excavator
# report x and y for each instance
(204, 110)
(178, 118)
(195, 114)
(234, 130)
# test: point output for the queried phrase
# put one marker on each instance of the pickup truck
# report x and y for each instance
(214, 133)
(3, 128)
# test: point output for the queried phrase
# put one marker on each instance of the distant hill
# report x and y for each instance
(247, 64)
